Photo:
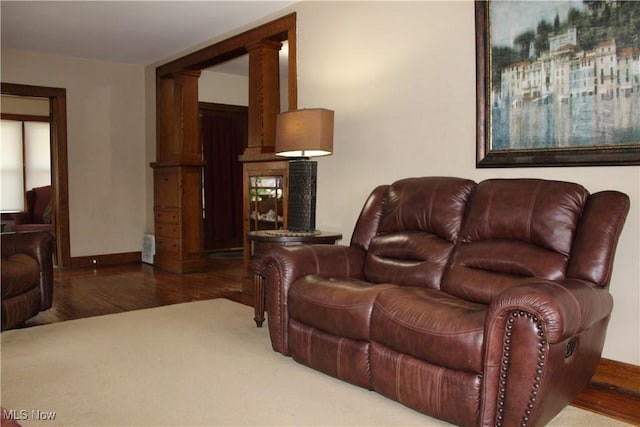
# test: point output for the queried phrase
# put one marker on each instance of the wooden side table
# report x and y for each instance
(262, 240)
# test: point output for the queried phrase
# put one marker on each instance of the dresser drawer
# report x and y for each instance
(167, 229)
(167, 216)
(167, 244)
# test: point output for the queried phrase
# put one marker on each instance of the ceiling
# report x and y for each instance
(131, 32)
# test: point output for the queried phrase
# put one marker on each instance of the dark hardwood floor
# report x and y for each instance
(86, 292)
(89, 292)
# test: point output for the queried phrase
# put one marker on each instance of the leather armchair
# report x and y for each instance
(37, 217)
(476, 303)
(27, 275)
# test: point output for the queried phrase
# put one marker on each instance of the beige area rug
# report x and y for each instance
(202, 363)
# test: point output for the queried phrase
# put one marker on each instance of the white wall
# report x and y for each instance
(105, 145)
(231, 89)
(401, 79)
(223, 88)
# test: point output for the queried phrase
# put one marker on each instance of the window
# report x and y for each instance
(11, 174)
(37, 154)
(25, 162)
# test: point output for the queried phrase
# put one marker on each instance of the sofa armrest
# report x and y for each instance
(281, 266)
(40, 245)
(544, 336)
(295, 262)
(566, 307)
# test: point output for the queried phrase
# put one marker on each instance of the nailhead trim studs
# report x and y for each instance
(504, 365)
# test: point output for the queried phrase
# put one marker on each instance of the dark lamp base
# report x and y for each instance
(301, 215)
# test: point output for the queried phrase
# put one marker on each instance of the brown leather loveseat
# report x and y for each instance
(476, 303)
(27, 275)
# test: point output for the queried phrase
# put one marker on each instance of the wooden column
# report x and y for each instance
(177, 175)
(259, 157)
(264, 95)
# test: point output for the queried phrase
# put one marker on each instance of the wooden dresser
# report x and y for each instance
(179, 237)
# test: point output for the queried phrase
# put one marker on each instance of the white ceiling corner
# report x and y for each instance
(131, 32)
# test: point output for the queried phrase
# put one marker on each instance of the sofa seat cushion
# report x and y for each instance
(334, 355)
(447, 394)
(20, 272)
(339, 306)
(430, 325)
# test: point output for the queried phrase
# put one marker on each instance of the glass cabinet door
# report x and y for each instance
(266, 195)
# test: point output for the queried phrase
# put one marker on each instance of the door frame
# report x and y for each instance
(59, 161)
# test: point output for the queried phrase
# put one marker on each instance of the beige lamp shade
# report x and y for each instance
(304, 133)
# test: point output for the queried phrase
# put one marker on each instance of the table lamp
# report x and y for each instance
(300, 135)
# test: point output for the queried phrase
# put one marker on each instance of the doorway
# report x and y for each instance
(59, 168)
(224, 139)
(178, 167)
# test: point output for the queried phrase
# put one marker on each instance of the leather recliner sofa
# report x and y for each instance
(27, 275)
(476, 303)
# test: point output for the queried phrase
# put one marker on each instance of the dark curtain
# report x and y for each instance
(224, 138)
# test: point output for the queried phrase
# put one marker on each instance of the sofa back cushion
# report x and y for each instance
(38, 199)
(369, 219)
(514, 230)
(418, 225)
(595, 244)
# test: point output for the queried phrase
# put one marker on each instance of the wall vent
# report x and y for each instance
(148, 248)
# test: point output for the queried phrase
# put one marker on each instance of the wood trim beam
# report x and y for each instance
(24, 118)
(279, 30)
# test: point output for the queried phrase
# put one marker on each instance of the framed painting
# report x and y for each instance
(558, 83)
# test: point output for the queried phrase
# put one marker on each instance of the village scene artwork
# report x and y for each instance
(564, 74)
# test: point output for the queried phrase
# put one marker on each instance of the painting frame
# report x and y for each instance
(488, 157)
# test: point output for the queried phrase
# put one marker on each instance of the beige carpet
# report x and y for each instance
(202, 363)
